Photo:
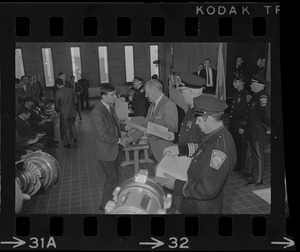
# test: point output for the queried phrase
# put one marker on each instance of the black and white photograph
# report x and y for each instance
(80, 151)
(137, 126)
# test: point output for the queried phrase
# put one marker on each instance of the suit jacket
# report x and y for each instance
(165, 114)
(196, 73)
(210, 90)
(107, 131)
(140, 102)
(58, 81)
(24, 129)
(32, 90)
(85, 84)
(65, 102)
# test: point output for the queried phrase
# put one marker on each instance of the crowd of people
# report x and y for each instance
(36, 117)
(215, 148)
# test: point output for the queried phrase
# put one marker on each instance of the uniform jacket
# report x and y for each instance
(65, 102)
(189, 131)
(107, 131)
(212, 162)
(140, 102)
(60, 82)
(210, 90)
(259, 117)
(239, 110)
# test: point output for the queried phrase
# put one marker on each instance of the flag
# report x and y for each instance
(220, 85)
(268, 71)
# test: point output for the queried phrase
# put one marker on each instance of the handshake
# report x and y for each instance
(126, 140)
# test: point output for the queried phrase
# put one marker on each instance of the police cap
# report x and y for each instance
(191, 81)
(258, 79)
(241, 77)
(207, 105)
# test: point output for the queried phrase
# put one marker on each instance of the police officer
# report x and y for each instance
(190, 87)
(259, 125)
(212, 161)
(140, 102)
(238, 119)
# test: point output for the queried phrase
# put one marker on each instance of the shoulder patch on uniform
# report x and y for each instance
(217, 159)
(263, 100)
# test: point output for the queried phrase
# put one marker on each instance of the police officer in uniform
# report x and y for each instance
(238, 119)
(191, 86)
(140, 102)
(259, 125)
(212, 161)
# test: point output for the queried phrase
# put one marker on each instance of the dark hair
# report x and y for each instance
(208, 60)
(24, 110)
(23, 77)
(60, 73)
(106, 88)
(200, 64)
(17, 80)
(28, 99)
(154, 76)
(72, 76)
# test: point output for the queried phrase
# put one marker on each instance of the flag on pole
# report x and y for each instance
(268, 72)
(220, 85)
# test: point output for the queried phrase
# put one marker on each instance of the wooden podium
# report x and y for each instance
(136, 161)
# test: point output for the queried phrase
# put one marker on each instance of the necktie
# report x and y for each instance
(152, 112)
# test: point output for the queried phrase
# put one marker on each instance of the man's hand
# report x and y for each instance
(171, 150)
(169, 182)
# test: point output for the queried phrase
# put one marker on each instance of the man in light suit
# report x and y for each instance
(210, 76)
(162, 111)
(107, 140)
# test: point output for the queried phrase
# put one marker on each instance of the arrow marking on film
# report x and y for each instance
(18, 242)
(289, 242)
(156, 242)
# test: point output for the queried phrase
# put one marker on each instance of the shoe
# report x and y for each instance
(68, 146)
(252, 182)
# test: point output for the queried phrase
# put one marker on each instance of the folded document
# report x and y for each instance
(174, 166)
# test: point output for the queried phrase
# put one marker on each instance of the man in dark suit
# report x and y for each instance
(210, 76)
(200, 68)
(25, 130)
(38, 123)
(107, 140)
(84, 96)
(59, 81)
(140, 102)
(65, 104)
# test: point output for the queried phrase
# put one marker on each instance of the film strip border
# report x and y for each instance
(144, 22)
(205, 22)
(172, 231)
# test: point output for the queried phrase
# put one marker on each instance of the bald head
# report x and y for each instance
(154, 89)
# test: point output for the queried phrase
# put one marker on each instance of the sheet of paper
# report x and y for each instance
(174, 166)
(157, 130)
(121, 108)
(32, 141)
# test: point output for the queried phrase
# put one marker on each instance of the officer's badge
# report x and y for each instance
(189, 124)
(217, 159)
(263, 101)
(249, 98)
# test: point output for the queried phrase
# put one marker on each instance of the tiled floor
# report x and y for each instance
(80, 185)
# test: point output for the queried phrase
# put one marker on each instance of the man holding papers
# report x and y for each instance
(163, 112)
(212, 161)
